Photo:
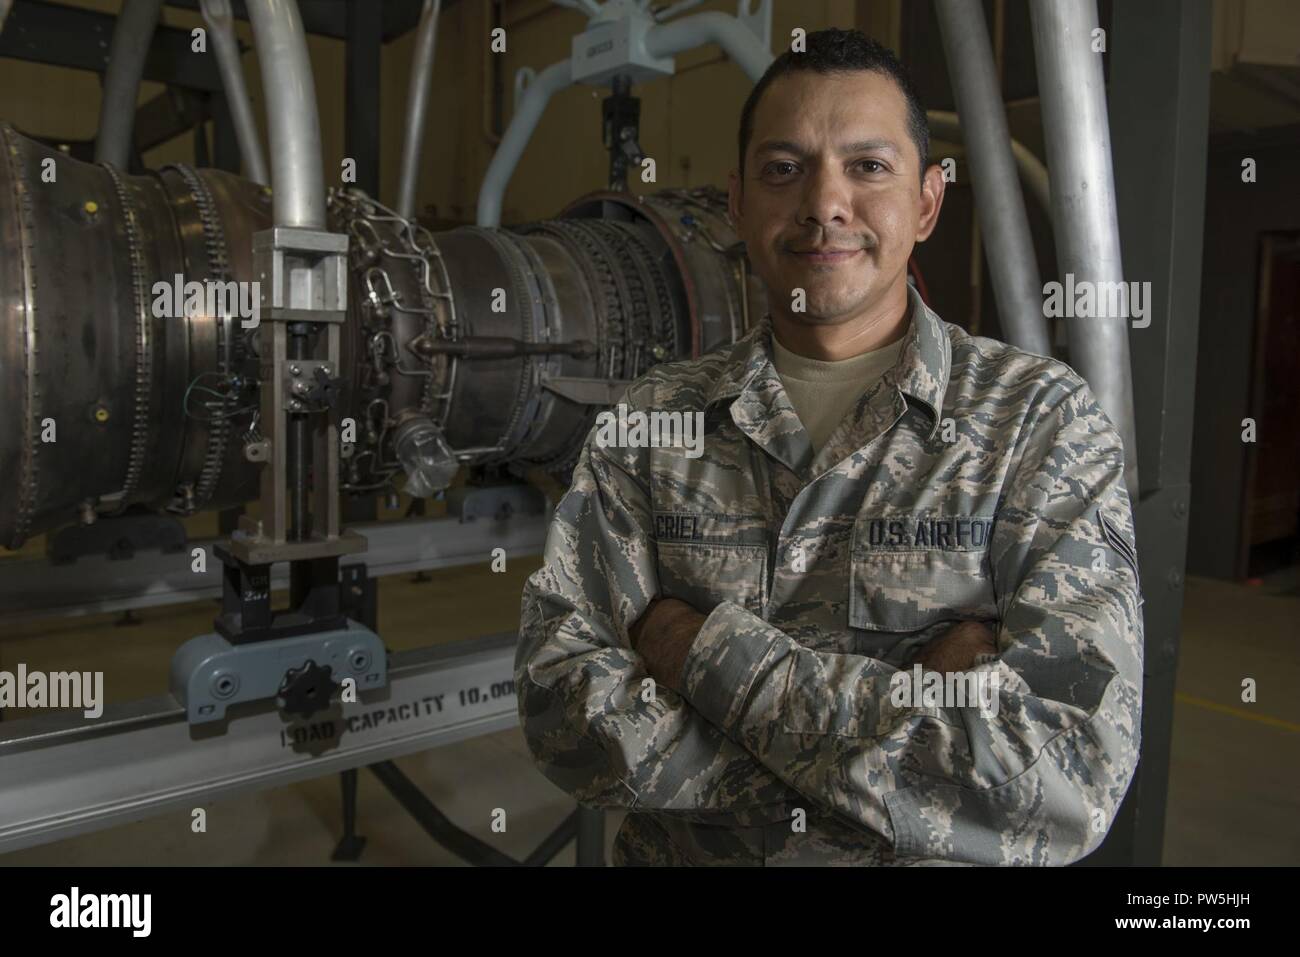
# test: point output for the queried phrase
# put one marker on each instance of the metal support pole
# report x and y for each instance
(221, 29)
(589, 848)
(361, 100)
(417, 106)
(436, 824)
(225, 140)
(292, 119)
(132, 35)
(1003, 221)
(1075, 125)
(1160, 81)
(350, 844)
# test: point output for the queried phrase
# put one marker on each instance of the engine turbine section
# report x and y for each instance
(472, 346)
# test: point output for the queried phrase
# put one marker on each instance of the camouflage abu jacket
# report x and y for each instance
(974, 482)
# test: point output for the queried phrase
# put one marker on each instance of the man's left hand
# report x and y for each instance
(663, 636)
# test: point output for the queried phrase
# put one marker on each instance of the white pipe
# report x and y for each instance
(290, 94)
(736, 40)
(417, 105)
(532, 104)
(221, 28)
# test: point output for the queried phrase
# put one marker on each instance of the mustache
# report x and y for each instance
(826, 241)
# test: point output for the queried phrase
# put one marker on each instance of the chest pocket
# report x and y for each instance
(910, 572)
(706, 559)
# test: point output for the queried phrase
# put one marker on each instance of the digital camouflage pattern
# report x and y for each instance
(974, 481)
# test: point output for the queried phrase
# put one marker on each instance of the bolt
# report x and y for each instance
(101, 414)
(1180, 509)
(295, 370)
(225, 684)
(91, 207)
(1174, 578)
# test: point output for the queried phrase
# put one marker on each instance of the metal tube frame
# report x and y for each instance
(292, 119)
(1076, 128)
(556, 77)
(999, 203)
(221, 29)
(132, 35)
(417, 106)
(737, 39)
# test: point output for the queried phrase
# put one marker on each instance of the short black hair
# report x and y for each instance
(841, 51)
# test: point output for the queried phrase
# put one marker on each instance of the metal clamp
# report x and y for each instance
(209, 674)
(302, 273)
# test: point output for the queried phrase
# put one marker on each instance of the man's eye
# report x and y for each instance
(781, 168)
(871, 166)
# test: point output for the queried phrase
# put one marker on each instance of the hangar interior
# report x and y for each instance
(477, 265)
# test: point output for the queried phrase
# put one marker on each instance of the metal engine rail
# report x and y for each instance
(143, 758)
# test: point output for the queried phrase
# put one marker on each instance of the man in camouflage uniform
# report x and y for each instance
(712, 641)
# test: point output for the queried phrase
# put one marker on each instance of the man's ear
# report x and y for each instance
(932, 187)
(734, 197)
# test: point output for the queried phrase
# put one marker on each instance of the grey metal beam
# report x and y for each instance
(1160, 95)
(225, 146)
(168, 115)
(34, 588)
(65, 775)
(361, 100)
(59, 35)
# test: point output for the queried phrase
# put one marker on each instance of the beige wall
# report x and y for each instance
(688, 120)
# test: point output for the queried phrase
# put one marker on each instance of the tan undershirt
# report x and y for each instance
(822, 393)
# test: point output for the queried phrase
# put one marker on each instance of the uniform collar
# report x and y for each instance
(921, 372)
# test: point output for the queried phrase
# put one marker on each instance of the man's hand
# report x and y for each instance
(956, 648)
(663, 636)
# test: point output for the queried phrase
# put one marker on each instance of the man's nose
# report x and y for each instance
(826, 198)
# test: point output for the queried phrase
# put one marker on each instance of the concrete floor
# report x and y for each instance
(1234, 793)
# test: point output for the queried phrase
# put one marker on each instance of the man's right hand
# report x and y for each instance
(956, 648)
